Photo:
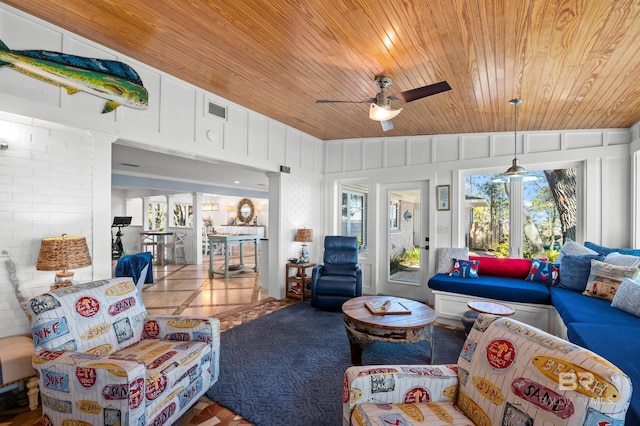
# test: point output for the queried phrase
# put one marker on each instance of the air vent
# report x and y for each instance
(217, 110)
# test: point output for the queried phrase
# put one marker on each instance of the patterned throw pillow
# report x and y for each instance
(465, 268)
(627, 297)
(605, 279)
(543, 271)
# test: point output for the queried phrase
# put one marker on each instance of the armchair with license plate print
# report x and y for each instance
(101, 360)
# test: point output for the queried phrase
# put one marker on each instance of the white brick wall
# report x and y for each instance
(299, 194)
(46, 179)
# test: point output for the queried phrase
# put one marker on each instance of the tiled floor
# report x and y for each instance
(187, 290)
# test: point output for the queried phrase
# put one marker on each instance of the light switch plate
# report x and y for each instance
(443, 229)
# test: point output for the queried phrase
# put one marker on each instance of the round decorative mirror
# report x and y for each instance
(245, 210)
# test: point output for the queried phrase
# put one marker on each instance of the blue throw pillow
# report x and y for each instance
(575, 270)
(543, 271)
(607, 250)
(465, 268)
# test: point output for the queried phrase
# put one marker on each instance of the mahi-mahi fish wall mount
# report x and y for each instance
(114, 81)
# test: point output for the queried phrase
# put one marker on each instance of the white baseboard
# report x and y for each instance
(450, 307)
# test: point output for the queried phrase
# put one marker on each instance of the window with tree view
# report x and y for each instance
(354, 213)
(182, 215)
(548, 206)
(156, 213)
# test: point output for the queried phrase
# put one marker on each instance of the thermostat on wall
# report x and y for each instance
(285, 169)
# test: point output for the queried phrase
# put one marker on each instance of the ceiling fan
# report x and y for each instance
(380, 109)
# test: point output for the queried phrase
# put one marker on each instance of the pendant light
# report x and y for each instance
(515, 173)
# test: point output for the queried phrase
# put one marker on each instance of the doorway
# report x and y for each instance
(403, 264)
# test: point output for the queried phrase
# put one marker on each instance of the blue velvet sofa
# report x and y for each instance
(588, 321)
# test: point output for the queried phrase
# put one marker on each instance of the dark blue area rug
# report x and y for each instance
(287, 368)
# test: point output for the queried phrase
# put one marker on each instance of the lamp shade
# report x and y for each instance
(515, 173)
(64, 253)
(380, 113)
(304, 235)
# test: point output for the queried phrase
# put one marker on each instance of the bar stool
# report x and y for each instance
(205, 242)
(147, 243)
(175, 245)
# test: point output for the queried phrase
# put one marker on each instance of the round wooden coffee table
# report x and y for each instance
(363, 327)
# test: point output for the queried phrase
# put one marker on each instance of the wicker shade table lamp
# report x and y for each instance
(61, 254)
(304, 235)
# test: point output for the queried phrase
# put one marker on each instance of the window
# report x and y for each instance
(157, 216)
(182, 215)
(547, 208)
(541, 211)
(394, 215)
(487, 213)
(354, 213)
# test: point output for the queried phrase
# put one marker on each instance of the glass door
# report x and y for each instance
(405, 260)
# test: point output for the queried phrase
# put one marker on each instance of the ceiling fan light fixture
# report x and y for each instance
(380, 109)
(380, 113)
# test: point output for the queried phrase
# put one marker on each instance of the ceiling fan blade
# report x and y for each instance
(421, 92)
(327, 101)
(387, 125)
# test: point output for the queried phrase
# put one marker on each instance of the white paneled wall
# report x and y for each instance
(603, 156)
(634, 181)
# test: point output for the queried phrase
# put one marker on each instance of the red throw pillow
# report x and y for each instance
(503, 267)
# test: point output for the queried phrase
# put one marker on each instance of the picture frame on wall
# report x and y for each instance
(442, 197)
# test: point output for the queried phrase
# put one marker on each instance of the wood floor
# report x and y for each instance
(187, 290)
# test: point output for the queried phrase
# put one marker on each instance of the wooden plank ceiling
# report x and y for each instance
(576, 63)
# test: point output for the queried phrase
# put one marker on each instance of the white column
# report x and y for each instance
(168, 218)
(196, 246)
(102, 220)
(635, 199)
(275, 275)
(145, 213)
(516, 219)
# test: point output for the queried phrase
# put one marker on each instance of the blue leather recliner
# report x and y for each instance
(340, 278)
